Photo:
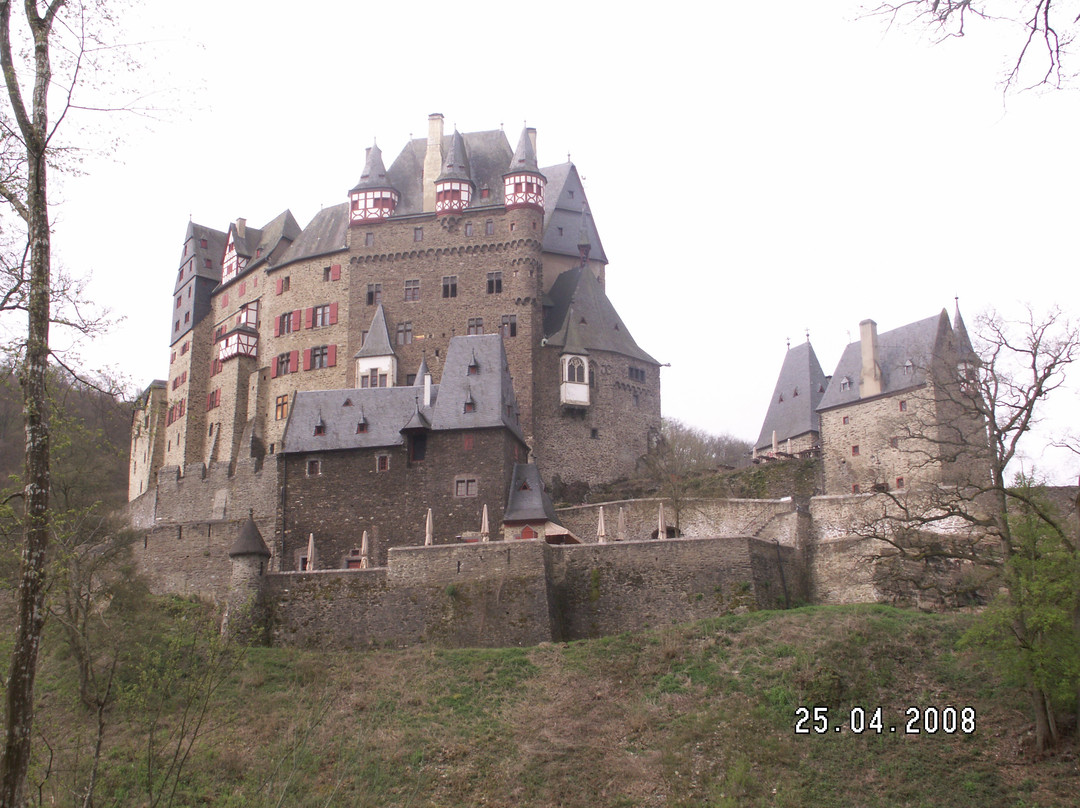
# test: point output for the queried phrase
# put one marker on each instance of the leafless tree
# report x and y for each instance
(954, 536)
(47, 50)
(1045, 31)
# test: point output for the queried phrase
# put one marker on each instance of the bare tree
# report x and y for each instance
(1046, 30)
(44, 36)
(957, 534)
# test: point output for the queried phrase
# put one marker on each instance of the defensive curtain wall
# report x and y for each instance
(733, 553)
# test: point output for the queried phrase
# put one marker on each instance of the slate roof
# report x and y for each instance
(378, 337)
(564, 198)
(488, 157)
(326, 233)
(578, 315)
(374, 173)
(918, 343)
(455, 160)
(214, 250)
(528, 501)
(389, 410)
(524, 158)
(799, 389)
(250, 541)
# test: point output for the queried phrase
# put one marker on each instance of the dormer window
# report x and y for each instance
(845, 383)
(320, 429)
(361, 427)
(909, 368)
(474, 367)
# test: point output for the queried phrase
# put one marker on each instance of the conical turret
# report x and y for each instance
(373, 198)
(523, 184)
(454, 186)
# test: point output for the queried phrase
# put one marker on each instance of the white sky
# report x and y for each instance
(755, 169)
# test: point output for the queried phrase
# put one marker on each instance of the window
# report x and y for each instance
(465, 487)
(417, 447)
(320, 316)
(326, 274)
(903, 406)
(508, 326)
(184, 348)
(404, 333)
(320, 429)
(899, 482)
(285, 323)
(412, 289)
(284, 363)
(284, 284)
(382, 462)
(845, 383)
(467, 443)
(637, 400)
(476, 326)
(314, 469)
(489, 225)
(281, 408)
(575, 370)
(369, 239)
(361, 427)
(594, 433)
(418, 234)
(470, 406)
(449, 286)
(207, 263)
(909, 368)
(179, 300)
(636, 374)
(320, 357)
(847, 420)
(485, 193)
(855, 450)
(202, 243)
(468, 229)
(855, 489)
(494, 283)
(374, 294)
(473, 369)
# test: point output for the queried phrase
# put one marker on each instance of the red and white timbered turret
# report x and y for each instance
(373, 198)
(523, 184)
(454, 187)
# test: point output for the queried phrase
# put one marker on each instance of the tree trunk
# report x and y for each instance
(19, 720)
(1044, 735)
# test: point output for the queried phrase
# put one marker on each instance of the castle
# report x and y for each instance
(413, 366)
(464, 257)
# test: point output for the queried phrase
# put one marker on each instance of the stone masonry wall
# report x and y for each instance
(762, 518)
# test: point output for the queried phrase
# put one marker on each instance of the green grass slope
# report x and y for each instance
(694, 715)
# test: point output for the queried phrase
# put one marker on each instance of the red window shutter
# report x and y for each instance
(335, 272)
(333, 313)
(243, 287)
(273, 368)
(294, 361)
(255, 282)
(309, 317)
(277, 326)
(296, 320)
(225, 301)
(277, 286)
(238, 318)
(307, 359)
(331, 356)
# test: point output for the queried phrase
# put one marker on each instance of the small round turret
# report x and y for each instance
(373, 198)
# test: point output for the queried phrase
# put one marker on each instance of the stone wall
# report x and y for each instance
(192, 558)
(762, 518)
(485, 595)
(526, 592)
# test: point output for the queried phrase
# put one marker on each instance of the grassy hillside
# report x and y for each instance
(695, 715)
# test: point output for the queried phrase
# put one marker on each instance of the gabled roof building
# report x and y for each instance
(792, 425)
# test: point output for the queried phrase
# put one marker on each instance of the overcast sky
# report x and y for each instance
(756, 170)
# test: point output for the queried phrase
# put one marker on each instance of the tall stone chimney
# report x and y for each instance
(870, 378)
(433, 159)
(241, 228)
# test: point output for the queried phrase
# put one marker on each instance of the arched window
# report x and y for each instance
(575, 370)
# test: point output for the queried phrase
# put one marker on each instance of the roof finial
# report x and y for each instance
(788, 341)
(251, 513)
(808, 335)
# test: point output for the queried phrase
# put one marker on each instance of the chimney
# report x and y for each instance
(433, 159)
(241, 228)
(870, 379)
(532, 138)
(427, 389)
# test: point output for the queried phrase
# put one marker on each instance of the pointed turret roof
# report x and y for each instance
(528, 501)
(378, 338)
(250, 540)
(524, 158)
(579, 315)
(421, 372)
(374, 175)
(963, 341)
(456, 162)
(799, 389)
(417, 422)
